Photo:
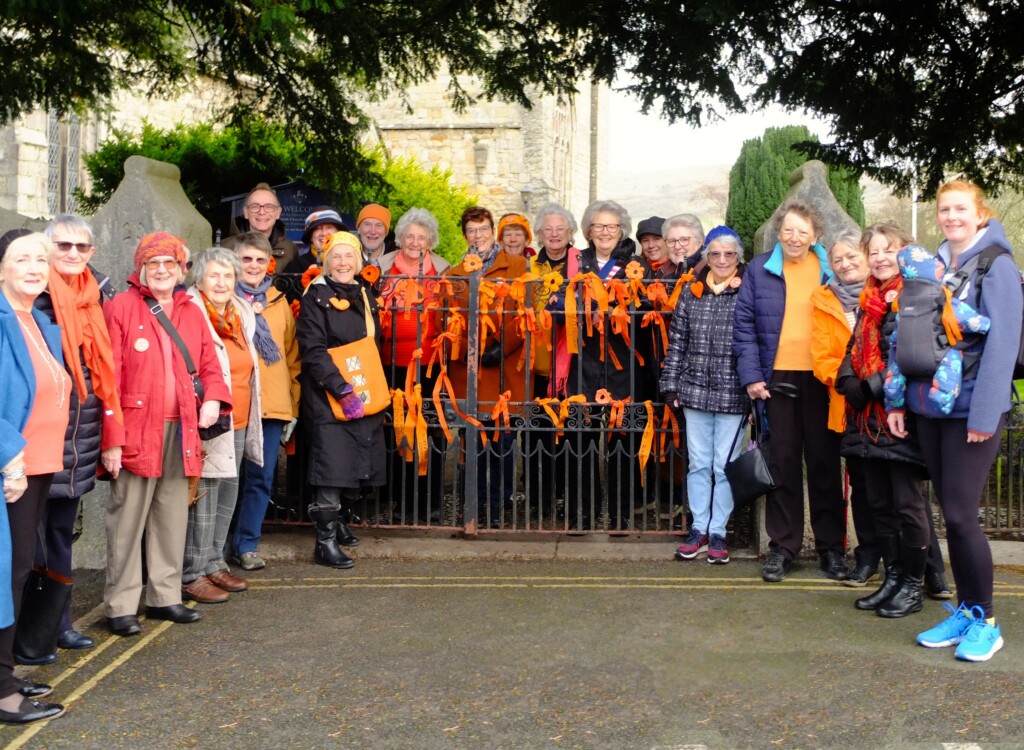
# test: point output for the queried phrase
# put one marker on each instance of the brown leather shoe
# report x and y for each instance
(224, 580)
(204, 591)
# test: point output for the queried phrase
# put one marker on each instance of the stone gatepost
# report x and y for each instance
(809, 183)
(149, 199)
(12, 220)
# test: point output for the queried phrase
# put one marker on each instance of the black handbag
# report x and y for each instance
(43, 603)
(749, 474)
(223, 423)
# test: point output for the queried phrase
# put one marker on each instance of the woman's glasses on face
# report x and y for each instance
(258, 260)
(718, 255)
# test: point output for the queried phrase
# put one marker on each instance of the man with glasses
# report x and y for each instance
(261, 212)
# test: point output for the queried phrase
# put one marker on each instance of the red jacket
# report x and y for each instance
(140, 376)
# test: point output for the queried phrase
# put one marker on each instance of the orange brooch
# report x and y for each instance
(634, 271)
(370, 274)
(697, 289)
(340, 304)
(472, 263)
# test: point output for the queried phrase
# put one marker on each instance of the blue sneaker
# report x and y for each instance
(950, 631)
(981, 640)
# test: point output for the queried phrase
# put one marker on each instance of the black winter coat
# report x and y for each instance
(700, 368)
(84, 434)
(587, 372)
(341, 454)
(864, 436)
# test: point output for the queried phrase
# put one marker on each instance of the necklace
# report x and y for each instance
(59, 383)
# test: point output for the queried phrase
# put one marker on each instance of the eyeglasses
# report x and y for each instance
(262, 208)
(605, 227)
(156, 263)
(479, 231)
(81, 247)
(718, 255)
(554, 230)
(680, 241)
(260, 261)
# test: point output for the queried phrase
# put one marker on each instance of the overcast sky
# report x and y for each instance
(640, 143)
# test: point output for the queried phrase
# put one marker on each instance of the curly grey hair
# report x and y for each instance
(553, 209)
(806, 211)
(611, 207)
(690, 221)
(420, 217)
(220, 255)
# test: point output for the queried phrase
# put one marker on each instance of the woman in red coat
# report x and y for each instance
(151, 456)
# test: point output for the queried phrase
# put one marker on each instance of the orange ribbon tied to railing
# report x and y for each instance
(657, 319)
(635, 274)
(572, 323)
(668, 417)
(949, 321)
(453, 335)
(499, 414)
(620, 325)
(488, 294)
(657, 294)
(563, 412)
(410, 292)
(444, 384)
(647, 440)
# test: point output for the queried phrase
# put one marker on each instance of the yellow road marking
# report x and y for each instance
(93, 681)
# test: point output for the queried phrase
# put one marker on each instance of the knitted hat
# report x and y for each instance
(515, 220)
(160, 243)
(340, 239)
(650, 226)
(719, 232)
(9, 237)
(322, 215)
(375, 211)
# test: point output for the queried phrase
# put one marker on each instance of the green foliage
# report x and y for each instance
(217, 162)
(759, 180)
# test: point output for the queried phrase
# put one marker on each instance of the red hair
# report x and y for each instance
(977, 195)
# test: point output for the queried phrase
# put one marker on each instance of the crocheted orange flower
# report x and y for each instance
(697, 289)
(634, 271)
(311, 273)
(472, 263)
(370, 274)
(603, 396)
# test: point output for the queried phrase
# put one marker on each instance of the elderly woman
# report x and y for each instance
(772, 344)
(606, 227)
(960, 447)
(206, 577)
(33, 419)
(406, 331)
(345, 456)
(514, 235)
(684, 238)
(152, 455)
(73, 301)
(700, 379)
(498, 370)
(274, 340)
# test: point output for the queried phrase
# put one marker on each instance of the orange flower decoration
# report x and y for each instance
(311, 273)
(340, 304)
(295, 307)
(272, 265)
(472, 263)
(697, 289)
(634, 270)
(603, 397)
(370, 274)
(553, 281)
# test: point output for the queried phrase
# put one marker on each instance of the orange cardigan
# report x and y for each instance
(830, 334)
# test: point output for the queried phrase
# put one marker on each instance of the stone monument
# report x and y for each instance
(149, 199)
(12, 220)
(809, 182)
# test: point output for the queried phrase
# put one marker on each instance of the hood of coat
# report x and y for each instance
(991, 235)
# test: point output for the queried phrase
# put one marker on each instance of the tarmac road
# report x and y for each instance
(483, 654)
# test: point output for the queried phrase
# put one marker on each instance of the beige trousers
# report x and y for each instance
(160, 507)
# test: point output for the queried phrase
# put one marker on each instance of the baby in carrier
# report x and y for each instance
(929, 324)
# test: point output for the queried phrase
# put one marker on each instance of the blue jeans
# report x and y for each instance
(709, 436)
(256, 484)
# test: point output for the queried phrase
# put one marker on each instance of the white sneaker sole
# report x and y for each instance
(939, 644)
(982, 657)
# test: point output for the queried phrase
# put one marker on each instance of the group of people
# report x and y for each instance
(181, 390)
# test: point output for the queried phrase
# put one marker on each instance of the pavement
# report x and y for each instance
(434, 643)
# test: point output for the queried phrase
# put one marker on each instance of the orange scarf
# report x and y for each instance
(76, 306)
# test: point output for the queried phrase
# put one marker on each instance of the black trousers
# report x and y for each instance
(959, 471)
(23, 516)
(898, 502)
(59, 514)
(799, 434)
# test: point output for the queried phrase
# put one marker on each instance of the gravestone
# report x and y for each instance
(149, 199)
(809, 183)
(12, 220)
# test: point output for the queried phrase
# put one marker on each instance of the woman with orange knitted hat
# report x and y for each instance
(514, 235)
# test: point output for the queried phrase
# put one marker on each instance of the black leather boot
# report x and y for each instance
(865, 568)
(890, 546)
(907, 598)
(327, 551)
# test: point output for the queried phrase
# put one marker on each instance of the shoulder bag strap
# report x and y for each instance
(161, 316)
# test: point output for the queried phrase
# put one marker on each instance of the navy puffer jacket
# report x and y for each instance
(84, 433)
(700, 369)
(760, 309)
